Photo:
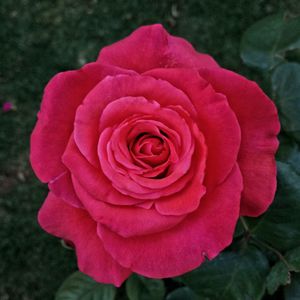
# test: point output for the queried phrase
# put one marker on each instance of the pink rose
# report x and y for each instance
(151, 154)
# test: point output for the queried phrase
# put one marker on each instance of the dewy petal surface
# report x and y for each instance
(204, 233)
(258, 119)
(74, 224)
(151, 47)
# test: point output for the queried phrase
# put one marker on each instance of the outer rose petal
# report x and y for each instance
(151, 47)
(120, 218)
(75, 225)
(184, 247)
(258, 119)
(62, 187)
(63, 94)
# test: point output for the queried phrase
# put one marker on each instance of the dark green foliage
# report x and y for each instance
(182, 293)
(273, 45)
(286, 86)
(79, 286)
(292, 292)
(141, 288)
(265, 43)
(230, 276)
(281, 272)
(280, 225)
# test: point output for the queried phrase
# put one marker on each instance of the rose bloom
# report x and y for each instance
(151, 154)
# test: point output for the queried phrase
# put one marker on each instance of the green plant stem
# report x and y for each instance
(245, 225)
(263, 244)
(280, 256)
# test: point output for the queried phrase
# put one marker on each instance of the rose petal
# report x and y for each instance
(120, 181)
(128, 132)
(181, 54)
(188, 199)
(88, 114)
(92, 179)
(258, 119)
(151, 47)
(184, 247)
(128, 106)
(126, 221)
(128, 186)
(62, 187)
(215, 118)
(73, 224)
(63, 94)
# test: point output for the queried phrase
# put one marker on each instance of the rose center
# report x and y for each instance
(151, 145)
(150, 149)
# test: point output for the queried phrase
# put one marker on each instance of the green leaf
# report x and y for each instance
(230, 276)
(183, 293)
(264, 44)
(285, 84)
(293, 258)
(279, 275)
(289, 152)
(293, 55)
(79, 286)
(280, 225)
(280, 272)
(292, 291)
(141, 288)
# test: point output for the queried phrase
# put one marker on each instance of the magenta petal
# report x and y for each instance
(86, 125)
(151, 47)
(151, 114)
(88, 114)
(121, 181)
(216, 121)
(93, 179)
(258, 119)
(126, 221)
(62, 96)
(75, 225)
(184, 247)
(183, 55)
(188, 199)
(62, 187)
(127, 185)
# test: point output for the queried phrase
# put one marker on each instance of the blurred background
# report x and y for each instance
(39, 39)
